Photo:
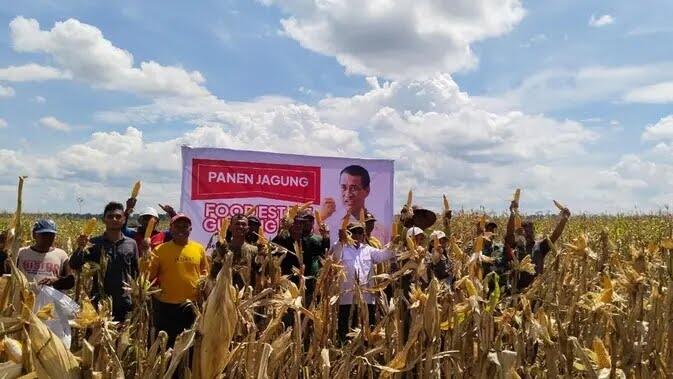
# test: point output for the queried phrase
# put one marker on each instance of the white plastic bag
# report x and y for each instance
(64, 308)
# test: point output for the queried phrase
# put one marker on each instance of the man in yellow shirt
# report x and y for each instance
(178, 266)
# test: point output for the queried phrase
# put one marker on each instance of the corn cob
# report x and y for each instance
(517, 195)
(12, 348)
(136, 189)
(150, 227)
(446, 203)
(251, 211)
(224, 226)
(559, 205)
(89, 227)
(410, 198)
(318, 218)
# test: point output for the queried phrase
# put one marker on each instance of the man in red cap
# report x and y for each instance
(178, 265)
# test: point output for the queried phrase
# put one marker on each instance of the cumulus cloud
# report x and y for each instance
(82, 52)
(52, 122)
(31, 72)
(398, 39)
(3, 123)
(661, 131)
(6, 91)
(601, 21)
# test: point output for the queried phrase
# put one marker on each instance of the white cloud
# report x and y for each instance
(655, 93)
(601, 21)
(661, 131)
(3, 123)
(53, 123)
(31, 72)
(555, 89)
(82, 51)
(398, 39)
(6, 91)
(39, 99)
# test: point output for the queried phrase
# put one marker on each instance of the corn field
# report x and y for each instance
(603, 308)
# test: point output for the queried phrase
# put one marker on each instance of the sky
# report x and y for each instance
(568, 100)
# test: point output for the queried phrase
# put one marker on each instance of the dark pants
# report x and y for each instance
(173, 319)
(344, 313)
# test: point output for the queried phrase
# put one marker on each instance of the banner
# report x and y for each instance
(219, 183)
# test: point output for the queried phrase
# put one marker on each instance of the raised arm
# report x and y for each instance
(556, 234)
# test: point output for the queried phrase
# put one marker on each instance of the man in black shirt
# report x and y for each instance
(117, 254)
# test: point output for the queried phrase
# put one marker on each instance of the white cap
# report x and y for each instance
(437, 233)
(149, 211)
(414, 231)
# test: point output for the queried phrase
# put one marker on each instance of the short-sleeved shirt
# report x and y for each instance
(179, 269)
(37, 266)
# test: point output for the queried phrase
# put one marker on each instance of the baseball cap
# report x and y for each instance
(369, 217)
(305, 215)
(355, 225)
(44, 226)
(437, 233)
(181, 216)
(149, 211)
(414, 231)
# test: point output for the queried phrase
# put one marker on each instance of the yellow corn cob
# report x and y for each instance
(559, 206)
(446, 203)
(410, 197)
(479, 244)
(482, 222)
(517, 195)
(250, 211)
(89, 227)
(136, 189)
(602, 355)
(394, 230)
(318, 218)
(13, 349)
(150, 227)
(224, 226)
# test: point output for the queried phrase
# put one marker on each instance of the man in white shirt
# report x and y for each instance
(358, 261)
(43, 263)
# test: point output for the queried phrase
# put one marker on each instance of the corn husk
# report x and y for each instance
(52, 359)
(558, 205)
(218, 324)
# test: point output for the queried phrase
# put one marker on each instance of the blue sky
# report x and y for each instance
(566, 99)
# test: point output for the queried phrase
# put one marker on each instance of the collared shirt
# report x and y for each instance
(122, 262)
(179, 269)
(358, 262)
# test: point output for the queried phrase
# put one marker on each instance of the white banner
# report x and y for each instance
(218, 183)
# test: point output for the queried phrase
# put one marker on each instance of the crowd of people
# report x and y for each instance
(183, 269)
